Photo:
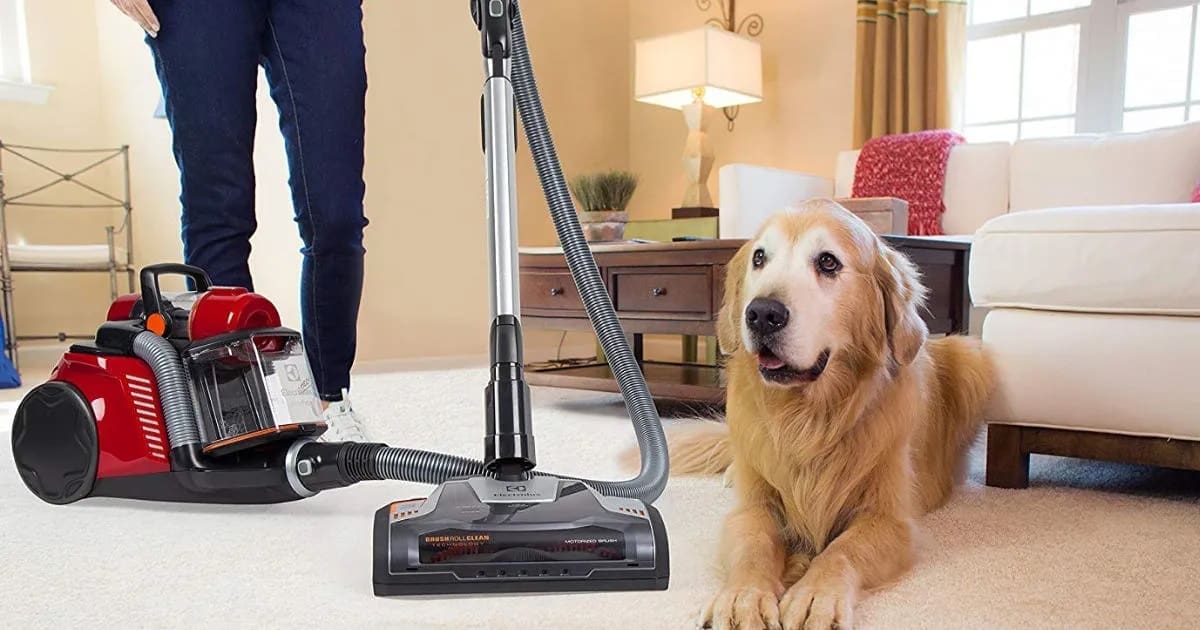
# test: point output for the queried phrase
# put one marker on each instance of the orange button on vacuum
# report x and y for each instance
(156, 324)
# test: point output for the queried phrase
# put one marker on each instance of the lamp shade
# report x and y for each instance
(724, 67)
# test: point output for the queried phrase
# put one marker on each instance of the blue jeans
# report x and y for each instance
(207, 56)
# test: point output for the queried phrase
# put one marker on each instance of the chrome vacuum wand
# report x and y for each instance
(508, 446)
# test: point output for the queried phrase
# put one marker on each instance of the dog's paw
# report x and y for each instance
(727, 478)
(816, 604)
(742, 608)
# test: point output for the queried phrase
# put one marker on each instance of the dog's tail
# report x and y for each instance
(701, 448)
(964, 377)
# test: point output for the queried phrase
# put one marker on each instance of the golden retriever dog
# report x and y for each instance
(844, 423)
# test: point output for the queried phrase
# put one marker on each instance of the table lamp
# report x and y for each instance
(688, 70)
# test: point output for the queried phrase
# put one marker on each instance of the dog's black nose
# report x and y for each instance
(765, 316)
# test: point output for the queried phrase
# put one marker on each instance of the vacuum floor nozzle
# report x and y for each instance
(483, 535)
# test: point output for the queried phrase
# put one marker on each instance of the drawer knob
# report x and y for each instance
(556, 291)
(657, 291)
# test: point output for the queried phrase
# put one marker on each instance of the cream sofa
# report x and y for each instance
(1086, 256)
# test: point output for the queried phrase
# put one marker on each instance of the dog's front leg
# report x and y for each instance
(871, 551)
(753, 555)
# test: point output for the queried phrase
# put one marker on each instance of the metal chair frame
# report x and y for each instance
(104, 200)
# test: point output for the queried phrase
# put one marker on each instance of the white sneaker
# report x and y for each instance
(345, 424)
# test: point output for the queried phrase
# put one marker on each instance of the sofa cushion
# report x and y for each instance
(1105, 259)
(976, 187)
(1159, 166)
(1133, 375)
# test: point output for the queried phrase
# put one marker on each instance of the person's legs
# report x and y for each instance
(207, 56)
(315, 62)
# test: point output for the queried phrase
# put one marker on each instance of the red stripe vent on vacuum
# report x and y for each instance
(145, 405)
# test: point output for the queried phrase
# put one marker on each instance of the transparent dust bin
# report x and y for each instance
(252, 388)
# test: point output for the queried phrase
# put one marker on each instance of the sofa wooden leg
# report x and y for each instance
(1007, 462)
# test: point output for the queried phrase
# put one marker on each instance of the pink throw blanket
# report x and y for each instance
(908, 166)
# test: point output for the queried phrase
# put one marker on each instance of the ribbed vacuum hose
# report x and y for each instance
(425, 467)
(652, 478)
(173, 392)
(422, 466)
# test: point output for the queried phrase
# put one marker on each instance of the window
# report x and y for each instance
(1040, 68)
(16, 84)
(14, 51)
(1160, 73)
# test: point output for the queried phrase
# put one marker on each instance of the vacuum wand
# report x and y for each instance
(508, 445)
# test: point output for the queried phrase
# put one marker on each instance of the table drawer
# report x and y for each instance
(687, 290)
(549, 290)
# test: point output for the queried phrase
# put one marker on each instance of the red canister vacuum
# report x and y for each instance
(116, 419)
(202, 397)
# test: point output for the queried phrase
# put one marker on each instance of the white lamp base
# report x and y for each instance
(697, 158)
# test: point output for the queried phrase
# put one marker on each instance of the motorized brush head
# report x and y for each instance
(484, 535)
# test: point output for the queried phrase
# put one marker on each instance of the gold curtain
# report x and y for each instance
(908, 74)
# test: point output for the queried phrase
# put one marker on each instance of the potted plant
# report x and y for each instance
(602, 199)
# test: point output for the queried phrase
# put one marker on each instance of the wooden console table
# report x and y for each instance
(676, 289)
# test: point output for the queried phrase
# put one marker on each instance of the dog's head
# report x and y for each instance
(815, 290)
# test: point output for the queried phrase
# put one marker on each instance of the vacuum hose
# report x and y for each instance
(652, 478)
(174, 393)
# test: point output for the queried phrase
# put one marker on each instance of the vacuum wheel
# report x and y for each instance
(54, 443)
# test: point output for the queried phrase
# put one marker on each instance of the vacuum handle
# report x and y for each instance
(152, 297)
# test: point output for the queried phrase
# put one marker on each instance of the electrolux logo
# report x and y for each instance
(514, 490)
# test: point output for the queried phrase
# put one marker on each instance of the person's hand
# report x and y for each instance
(139, 11)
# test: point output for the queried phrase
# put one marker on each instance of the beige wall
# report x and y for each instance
(426, 289)
(807, 108)
(582, 59)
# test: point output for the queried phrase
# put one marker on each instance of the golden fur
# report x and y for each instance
(832, 473)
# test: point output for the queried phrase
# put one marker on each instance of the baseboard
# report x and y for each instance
(37, 359)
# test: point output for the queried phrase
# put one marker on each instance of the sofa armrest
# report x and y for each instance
(749, 194)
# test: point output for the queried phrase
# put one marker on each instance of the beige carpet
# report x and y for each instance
(1090, 546)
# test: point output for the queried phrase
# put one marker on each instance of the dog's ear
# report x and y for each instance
(729, 319)
(903, 297)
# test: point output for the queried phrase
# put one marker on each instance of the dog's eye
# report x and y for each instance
(828, 264)
(760, 258)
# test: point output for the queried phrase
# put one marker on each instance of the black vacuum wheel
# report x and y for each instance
(54, 443)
